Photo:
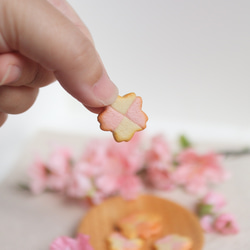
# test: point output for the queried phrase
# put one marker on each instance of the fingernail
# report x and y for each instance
(105, 90)
(12, 74)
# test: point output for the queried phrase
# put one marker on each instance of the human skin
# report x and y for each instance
(42, 41)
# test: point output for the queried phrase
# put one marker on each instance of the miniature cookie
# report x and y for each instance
(173, 242)
(119, 242)
(124, 117)
(140, 225)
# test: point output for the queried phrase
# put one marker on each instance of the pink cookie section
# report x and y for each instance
(135, 114)
(112, 119)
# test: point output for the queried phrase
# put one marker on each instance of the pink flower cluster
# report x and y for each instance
(107, 168)
(81, 242)
(212, 219)
(193, 171)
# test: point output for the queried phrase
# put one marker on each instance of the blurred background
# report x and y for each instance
(188, 60)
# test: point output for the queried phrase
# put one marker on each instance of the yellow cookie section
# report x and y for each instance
(123, 103)
(118, 242)
(125, 130)
(173, 241)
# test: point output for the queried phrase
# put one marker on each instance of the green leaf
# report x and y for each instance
(204, 209)
(23, 186)
(184, 142)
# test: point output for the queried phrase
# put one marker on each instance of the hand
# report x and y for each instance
(45, 40)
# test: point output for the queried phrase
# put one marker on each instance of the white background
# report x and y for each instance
(189, 60)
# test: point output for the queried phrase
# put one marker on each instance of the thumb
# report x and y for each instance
(40, 32)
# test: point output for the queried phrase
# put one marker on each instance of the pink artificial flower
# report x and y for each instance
(66, 243)
(79, 182)
(60, 158)
(160, 178)
(195, 172)
(107, 184)
(127, 185)
(128, 154)
(207, 223)
(83, 242)
(117, 164)
(226, 224)
(79, 186)
(96, 155)
(215, 200)
(159, 155)
(103, 154)
(159, 164)
(59, 168)
(63, 243)
(130, 186)
(38, 176)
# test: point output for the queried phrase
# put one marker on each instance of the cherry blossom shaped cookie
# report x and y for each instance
(173, 242)
(140, 225)
(124, 117)
(119, 242)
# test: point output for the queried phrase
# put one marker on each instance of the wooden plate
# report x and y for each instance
(100, 221)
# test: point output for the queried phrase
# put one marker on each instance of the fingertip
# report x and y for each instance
(94, 110)
(104, 90)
